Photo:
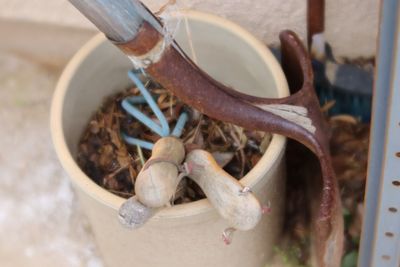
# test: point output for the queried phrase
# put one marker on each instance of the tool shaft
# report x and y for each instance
(119, 20)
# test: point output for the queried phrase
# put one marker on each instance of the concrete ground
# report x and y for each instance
(40, 220)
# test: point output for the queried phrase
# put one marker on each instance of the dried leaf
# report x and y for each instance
(162, 98)
(115, 139)
(345, 118)
(328, 105)
(94, 127)
(124, 160)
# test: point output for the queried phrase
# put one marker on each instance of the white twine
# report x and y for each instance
(171, 15)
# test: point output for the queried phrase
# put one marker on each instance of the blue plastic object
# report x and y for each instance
(163, 130)
(153, 105)
(183, 118)
(137, 142)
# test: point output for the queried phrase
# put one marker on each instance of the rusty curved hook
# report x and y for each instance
(297, 116)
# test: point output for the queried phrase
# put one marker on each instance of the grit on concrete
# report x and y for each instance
(40, 221)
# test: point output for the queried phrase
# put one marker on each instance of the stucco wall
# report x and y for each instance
(351, 25)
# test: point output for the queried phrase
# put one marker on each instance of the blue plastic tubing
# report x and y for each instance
(162, 130)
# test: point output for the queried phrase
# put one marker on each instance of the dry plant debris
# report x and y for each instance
(114, 165)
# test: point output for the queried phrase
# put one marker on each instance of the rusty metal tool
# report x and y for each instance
(297, 116)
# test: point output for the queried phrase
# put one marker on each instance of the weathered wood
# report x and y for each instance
(232, 201)
(157, 181)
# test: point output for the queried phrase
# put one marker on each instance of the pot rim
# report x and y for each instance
(78, 177)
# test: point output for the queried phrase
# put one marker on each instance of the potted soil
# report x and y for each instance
(186, 234)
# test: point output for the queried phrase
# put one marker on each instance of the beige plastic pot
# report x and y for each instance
(188, 235)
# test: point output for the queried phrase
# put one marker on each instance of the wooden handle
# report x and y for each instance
(232, 201)
(158, 180)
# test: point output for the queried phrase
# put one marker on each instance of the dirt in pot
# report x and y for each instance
(113, 164)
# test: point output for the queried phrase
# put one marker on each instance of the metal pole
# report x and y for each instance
(380, 241)
(119, 20)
